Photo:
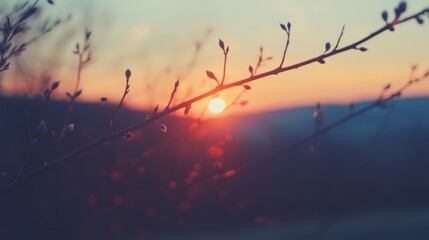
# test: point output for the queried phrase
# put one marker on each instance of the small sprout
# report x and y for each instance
(390, 27)
(327, 46)
(50, 2)
(103, 99)
(55, 85)
(43, 127)
(211, 75)
(222, 45)
(384, 15)
(247, 87)
(128, 73)
(187, 109)
(69, 128)
(87, 34)
(161, 127)
(77, 94)
(69, 95)
(227, 50)
(283, 27)
(128, 136)
(155, 109)
(321, 61)
(289, 26)
(402, 7)
(251, 70)
(363, 49)
(176, 84)
(419, 20)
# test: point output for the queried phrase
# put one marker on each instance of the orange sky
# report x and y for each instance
(151, 36)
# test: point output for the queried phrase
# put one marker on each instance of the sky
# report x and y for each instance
(156, 40)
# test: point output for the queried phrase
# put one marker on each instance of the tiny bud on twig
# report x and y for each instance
(222, 45)
(187, 109)
(211, 75)
(128, 136)
(128, 73)
(55, 85)
(384, 15)
(247, 87)
(69, 128)
(155, 109)
(327, 46)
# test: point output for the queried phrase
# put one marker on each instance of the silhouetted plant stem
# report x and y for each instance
(121, 102)
(287, 29)
(77, 92)
(224, 68)
(11, 28)
(339, 38)
(176, 85)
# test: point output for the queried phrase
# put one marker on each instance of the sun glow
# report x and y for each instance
(216, 105)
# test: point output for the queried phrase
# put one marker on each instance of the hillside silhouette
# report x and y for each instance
(174, 184)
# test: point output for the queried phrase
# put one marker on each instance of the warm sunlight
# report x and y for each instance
(216, 105)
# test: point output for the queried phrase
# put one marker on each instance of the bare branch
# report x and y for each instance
(152, 118)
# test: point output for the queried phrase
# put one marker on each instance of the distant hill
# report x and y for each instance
(172, 183)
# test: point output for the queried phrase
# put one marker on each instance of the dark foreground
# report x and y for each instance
(364, 180)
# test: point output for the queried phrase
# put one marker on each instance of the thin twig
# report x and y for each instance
(287, 30)
(176, 85)
(121, 102)
(82, 62)
(339, 38)
(224, 67)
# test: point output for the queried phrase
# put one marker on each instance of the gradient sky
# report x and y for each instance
(150, 36)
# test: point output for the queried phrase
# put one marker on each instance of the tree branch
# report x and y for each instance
(219, 88)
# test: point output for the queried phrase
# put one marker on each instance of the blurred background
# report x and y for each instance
(210, 175)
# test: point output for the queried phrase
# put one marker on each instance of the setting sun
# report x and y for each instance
(216, 105)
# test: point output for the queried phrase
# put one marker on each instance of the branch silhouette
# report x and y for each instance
(222, 87)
